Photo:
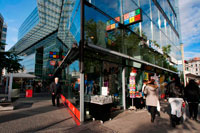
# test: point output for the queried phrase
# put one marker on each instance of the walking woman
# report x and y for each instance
(192, 96)
(151, 91)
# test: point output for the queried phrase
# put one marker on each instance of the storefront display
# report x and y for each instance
(132, 85)
(100, 99)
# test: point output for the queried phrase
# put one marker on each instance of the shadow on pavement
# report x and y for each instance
(46, 126)
(162, 125)
(28, 112)
(23, 105)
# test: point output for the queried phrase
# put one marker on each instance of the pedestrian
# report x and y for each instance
(174, 91)
(144, 96)
(151, 91)
(55, 89)
(192, 96)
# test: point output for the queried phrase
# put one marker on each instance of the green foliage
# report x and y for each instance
(166, 50)
(156, 44)
(10, 62)
(173, 68)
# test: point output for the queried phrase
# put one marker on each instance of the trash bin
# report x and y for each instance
(29, 93)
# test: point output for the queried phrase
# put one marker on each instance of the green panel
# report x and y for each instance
(137, 12)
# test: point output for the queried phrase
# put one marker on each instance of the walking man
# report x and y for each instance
(175, 93)
(192, 96)
(55, 89)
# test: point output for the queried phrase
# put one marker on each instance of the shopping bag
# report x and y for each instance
(158, 106)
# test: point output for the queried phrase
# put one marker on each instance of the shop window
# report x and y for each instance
(71, 83)
(102, 81)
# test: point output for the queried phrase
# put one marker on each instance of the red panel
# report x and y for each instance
(51, 52)
(108, 27)
(74, 110)
(29, 93)
(138, 17)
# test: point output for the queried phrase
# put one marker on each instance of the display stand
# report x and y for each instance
(100, 106)
(132, 87)
(100, 111)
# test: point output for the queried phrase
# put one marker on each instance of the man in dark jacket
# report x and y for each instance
(174, 91)
(192, 96)
(55, 89)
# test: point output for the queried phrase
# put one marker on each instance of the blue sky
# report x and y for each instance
(15, 12)
(190, 27)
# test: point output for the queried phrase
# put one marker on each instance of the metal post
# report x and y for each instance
(81, 97)
(81, 64)
(124, 88)
(6, 89)
(183, 63)
(10, 87)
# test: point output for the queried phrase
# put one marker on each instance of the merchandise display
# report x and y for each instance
(132, 86)
(99, 99)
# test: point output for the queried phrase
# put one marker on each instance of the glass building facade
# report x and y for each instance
(1, 25)
(94, 45)
(3, 33)
(29, 23)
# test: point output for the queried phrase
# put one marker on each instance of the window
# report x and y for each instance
(4, 29)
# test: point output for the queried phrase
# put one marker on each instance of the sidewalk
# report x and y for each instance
(139, 122)
(35, 115)
(38, 115)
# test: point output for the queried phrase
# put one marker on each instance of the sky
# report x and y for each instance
(16, 11)
(190, 27)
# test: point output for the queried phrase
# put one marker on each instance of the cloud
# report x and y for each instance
(13, 29)
(190, 18)
(190, 54)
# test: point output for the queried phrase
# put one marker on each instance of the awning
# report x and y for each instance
(21, 75)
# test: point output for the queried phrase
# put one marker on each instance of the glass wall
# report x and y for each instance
(29, 23)
(108, 32)
(70, 81)
(28, 62)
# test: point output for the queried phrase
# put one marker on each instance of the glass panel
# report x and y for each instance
(155, 16)
(145, 5)
(111, 7)
(156, 34)
(129, 5)
(146, 28)
(100, 75)
(71, 83)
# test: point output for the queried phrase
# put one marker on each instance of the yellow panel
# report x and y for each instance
(112, 26)
(132, 19)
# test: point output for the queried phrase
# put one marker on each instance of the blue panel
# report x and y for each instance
(126, 21)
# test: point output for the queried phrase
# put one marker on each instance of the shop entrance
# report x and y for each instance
(103, 86)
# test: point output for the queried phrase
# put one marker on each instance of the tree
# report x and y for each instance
(166, 50)
(9, 61)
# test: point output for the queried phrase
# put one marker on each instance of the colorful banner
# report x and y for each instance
(133, 17)
(55, 55)
(132, 85)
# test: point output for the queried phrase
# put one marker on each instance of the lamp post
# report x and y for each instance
(183, 63)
